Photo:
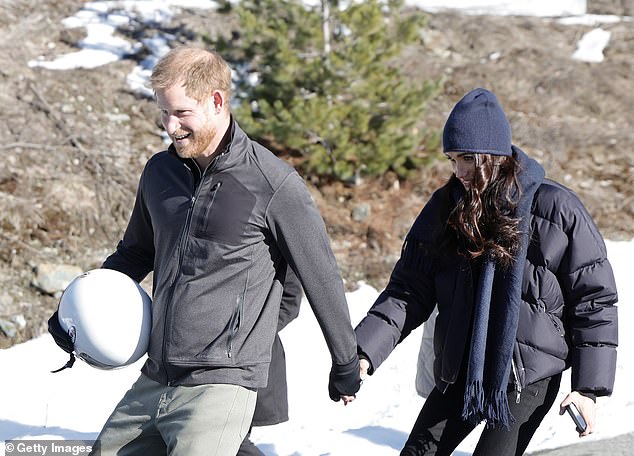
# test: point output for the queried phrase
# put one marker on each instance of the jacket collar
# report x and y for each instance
(531, 173)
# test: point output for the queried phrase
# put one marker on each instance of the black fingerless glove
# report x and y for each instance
(61, 337)
(344, 379)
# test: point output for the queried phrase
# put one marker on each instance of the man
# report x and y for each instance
(219, 220)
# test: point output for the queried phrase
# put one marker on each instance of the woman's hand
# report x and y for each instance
(586, 407)
(364, 366)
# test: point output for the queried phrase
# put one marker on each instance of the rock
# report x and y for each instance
(8, 328)
(19, 321)
(54, 278)
(361, 212)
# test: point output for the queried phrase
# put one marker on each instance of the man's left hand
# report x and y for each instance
(344, 381)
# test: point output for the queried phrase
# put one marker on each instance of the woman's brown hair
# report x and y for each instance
(484, 219)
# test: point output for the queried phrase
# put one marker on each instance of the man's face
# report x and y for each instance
(191, 125)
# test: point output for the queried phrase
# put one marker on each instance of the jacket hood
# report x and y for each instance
(531, 175)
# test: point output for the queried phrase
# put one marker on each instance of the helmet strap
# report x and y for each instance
(68, 364)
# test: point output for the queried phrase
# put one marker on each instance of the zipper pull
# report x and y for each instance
(516, 380)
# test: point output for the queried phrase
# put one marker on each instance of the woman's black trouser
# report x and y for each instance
(248, 448)
(439, 428)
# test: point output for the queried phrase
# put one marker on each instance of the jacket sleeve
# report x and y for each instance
(590, 295)
(300, 234)
(134, 255)
(405, 304)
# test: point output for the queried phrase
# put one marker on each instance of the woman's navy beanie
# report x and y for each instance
(477, 124)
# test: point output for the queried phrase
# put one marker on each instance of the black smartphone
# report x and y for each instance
(573, 411)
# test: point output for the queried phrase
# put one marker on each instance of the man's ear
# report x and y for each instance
(217, 101)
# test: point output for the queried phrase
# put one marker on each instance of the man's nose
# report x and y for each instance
(171, 124)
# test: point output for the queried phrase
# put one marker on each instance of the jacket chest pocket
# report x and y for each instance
(224, 211)
(207, 203)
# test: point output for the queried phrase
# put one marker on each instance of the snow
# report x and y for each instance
(102, 46)
(593, 19)
(541, 8)
(591, 45)
(75, 403)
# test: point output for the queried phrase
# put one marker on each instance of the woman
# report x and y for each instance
(523, 288)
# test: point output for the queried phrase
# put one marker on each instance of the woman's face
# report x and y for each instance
(463, 164)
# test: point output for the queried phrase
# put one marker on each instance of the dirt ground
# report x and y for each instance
(74, 142)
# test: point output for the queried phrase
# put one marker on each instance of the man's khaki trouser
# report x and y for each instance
(153, 420)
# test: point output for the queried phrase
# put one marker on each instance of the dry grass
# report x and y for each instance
(74, 142)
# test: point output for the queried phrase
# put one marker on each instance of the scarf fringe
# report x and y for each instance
(473, 402)
(498, 413)
(494, 410)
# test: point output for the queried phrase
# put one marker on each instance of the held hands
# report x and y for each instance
(364, 366)
(344, 381)
(586, 407)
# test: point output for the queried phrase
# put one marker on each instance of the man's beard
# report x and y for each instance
(197, 143)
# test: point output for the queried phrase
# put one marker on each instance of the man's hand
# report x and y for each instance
(364, 366)
(347, 399)
(344, 381)
(61, 337)
(586, 407)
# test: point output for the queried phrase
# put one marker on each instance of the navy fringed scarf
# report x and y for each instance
(496, 315)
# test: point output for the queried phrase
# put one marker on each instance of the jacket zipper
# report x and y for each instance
(236, 321)
(214, 190)
(516, 380)
(181, 255)
(556, 324)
